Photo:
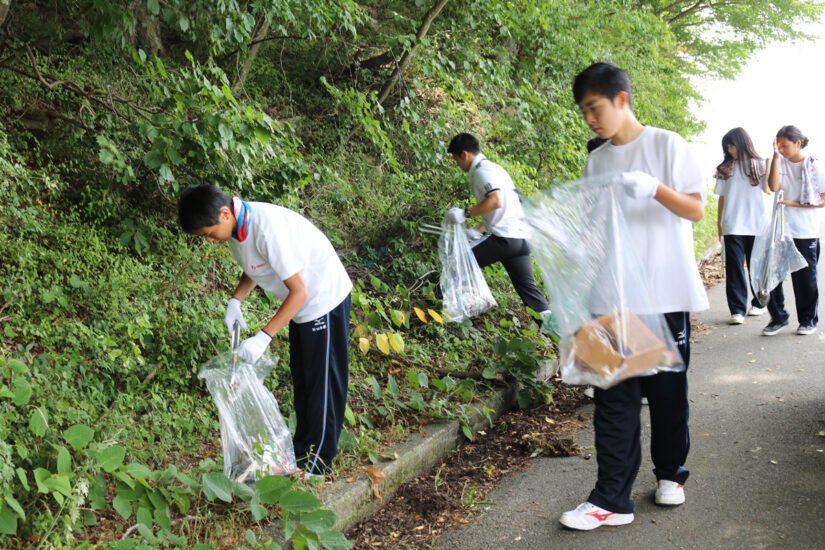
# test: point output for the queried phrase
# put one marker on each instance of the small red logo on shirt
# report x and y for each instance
(257, 266)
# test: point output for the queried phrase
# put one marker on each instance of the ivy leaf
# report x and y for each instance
(122, 506)
(468, 433)
(397, 342)
(110, 458)
(421, 315)
(364, 345)
(299, 501)
(22, 393)
(38, 422)
(383, 343)
(8, 520)
(78, 436)
(398, 317)
(270, 488)
(217, 485)
(64, 461)
(349, 415)
(258, 511)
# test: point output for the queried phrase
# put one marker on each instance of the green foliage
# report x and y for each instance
(110, 108)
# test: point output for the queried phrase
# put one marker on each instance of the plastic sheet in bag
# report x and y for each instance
(774, 255)
(464, 289)
(255, 439)
(608, 330)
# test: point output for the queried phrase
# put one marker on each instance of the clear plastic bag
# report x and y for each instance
(774, 255)
(464, 289)
(598, 286)
(255, 439)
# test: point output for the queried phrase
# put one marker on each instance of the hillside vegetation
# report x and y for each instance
(339, 109)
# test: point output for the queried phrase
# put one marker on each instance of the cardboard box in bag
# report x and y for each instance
(617, 345)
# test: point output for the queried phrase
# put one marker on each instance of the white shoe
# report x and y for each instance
(589, 516)
(756, 311)
(736, 319)
(669, 493)
(806, 329)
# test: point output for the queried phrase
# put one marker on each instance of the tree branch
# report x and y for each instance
(250, 57)
(407, 57)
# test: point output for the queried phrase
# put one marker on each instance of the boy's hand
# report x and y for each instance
(456, 214)
(639, 185)
(233, 314)
(251, 349)
(474, 234)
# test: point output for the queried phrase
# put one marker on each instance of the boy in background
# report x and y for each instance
(286, 255)
(664, 193)
(500, 209)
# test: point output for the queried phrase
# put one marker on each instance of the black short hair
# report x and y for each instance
(464, 142)
(199, 206)
(792, 134)
(605, 79)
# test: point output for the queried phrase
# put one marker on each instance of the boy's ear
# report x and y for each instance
(622, 100)
(224, 213)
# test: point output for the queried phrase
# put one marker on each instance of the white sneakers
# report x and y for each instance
(806, 329)
(670, 493)
(736, 319)
(757, 311)
(589, 516)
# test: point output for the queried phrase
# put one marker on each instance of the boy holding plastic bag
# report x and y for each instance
(285, 254)
(663, 193)
(497, 203)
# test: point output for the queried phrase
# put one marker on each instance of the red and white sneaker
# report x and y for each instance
(589, 516)
(669, 493)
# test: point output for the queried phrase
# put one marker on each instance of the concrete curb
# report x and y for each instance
(353, 502)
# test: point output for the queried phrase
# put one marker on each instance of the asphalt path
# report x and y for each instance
(756, 459)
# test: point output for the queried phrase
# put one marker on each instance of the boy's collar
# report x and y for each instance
(243, 215)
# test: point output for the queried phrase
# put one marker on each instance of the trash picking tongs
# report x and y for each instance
(431, 229)
(236, 341)
(777, 220)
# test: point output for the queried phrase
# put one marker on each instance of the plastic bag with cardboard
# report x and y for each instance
(597, 285)
(255, 439)
(774, 255)
(463, 287)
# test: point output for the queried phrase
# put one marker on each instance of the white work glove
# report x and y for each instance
(457, 215)
(251, 349)
(233, 315)
(474, 234)
(639, 185)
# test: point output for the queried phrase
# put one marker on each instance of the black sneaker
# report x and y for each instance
(774, 328)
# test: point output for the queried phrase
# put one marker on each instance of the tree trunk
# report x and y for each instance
(250, 57)
(405, 59)
(4, 10)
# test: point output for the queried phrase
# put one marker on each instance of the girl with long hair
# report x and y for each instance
(741, 215)
(802, 181)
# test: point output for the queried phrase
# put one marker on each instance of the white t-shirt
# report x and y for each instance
(800, 223)
(745, 212)
(662, 240)
(279, 244)
(507, 221)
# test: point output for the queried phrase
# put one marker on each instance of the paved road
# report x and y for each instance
(757, 462)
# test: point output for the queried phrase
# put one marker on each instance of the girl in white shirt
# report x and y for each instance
(741, 216)
(802, 180)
